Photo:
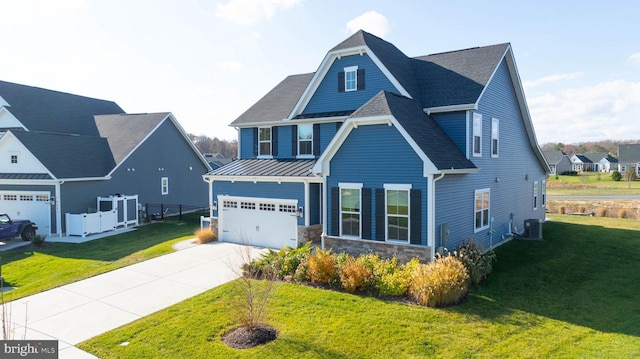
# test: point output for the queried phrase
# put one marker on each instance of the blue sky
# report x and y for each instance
(208, 61)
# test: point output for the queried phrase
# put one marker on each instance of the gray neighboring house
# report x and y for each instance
(558, 161)
(59, 152)
(629, 157)
(602, 162)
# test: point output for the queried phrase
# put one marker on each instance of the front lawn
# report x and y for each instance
(590, 183)
(574, 294)
(35, 269)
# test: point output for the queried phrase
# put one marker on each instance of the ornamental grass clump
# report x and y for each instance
(440, 283)
(477, 261)
(205, 235)
(322, 267)
(355, 275)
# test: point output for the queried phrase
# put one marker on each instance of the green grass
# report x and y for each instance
(37, 269)
(572, 295)
(590, 183)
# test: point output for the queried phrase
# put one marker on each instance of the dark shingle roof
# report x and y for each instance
(426, 133)
(69, 156)
(124, 132)
(278, 103)
(266, 167)
(629, 153)
(52, 111)
(553, 157)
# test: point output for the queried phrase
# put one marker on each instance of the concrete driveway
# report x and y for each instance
(79, 311)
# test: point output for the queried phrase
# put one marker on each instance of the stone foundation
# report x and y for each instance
(355, 247)
(311, 234)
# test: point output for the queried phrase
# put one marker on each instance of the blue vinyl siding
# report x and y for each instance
(509, 177)
(455, 125)
(387, 159)
(327, 98)
(247, 143)
(327, 131)
(284, 190)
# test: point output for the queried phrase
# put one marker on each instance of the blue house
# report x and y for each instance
(378, 151)
(60, 152)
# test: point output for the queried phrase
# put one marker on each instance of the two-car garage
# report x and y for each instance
(263, 222)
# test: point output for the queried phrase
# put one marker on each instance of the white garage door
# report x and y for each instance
(263, 222)
(34, 206)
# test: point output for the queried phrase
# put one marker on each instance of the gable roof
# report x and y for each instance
(554, 157)
(629, 153)
(69, 156)
(125, 132)
(45, 110)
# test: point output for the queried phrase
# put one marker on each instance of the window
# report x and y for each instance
(481, 209)
(164, 181)
(397, 201)
(544, 192)
(535, 195)
(494, 137)
(305, 139)
(230, 204)
(477, 135)
(288, 208)
(264, 141)
(350, 209)
(351, 78)
(14, 159)
(269, 207)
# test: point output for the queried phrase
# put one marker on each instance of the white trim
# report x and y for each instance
(397, 187)
(306, 155)
(12, 121)
(468, 135)
(350, 185)
(451, 108)
(535, 195)
(270, 155)
(496, 122)
(287, 123)
(3, 102)
(354, 70)
(488, 219)
(357, 186)
(255, 179)
(477, 132)
(222, 197)
(164, 186)
(400, 186)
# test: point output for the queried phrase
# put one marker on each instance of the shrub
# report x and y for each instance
(582, 209)
(322, 267)
(37, 240)
(602, 212)
(562, 209)
(440, 283)
(280, 263)
(205, 235)
(393, 279)
(616, 175)
(477, 262)
(622, 213)
(355, 275)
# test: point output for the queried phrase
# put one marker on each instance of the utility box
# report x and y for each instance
(533, 228)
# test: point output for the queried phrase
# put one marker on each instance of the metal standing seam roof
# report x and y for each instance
(25, 176)
(266, 168)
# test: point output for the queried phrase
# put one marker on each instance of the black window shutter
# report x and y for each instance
(316, 139)
(366, 213)
(255, 141)
(360, 79)
(381, 222)
(415, 197)
(335, 211)
(274, 141)
(294, 140)
(341, 81)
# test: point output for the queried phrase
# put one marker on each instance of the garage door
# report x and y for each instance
(263, 222)
(34, 206)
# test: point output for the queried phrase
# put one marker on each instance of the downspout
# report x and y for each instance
(58, 206)
(307, 220)
(210, 182)
(431, 200)
(324, 211)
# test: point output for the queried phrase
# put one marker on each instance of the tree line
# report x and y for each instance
(605, 146)
(206, 144)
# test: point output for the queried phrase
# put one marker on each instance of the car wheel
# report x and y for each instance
(28, 233)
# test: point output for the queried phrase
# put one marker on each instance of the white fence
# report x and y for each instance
(84, 224)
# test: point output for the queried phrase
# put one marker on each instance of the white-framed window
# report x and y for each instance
(351, 78)
(544, 193)
(164, 184)
(305, 140)
(495, 136)
(482, 203)
(535, 195)
(350, 213)
(264, 141)
(397, 212)
(477, 135)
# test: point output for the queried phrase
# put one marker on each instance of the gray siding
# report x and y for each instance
(374, 155)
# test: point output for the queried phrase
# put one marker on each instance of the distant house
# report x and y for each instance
(629, 157)
(378, 151)
(216, 160)
(559, 162)
(602, 161)
(59, 152)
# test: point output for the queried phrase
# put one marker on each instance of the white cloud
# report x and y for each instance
(635, 58)
(252, 12)
(230, 66)
(552, 78)
(370, 21)
(608, 110)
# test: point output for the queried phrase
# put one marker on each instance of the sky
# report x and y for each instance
(208, 61)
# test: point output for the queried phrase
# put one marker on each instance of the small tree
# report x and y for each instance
(616, 176)
(630, 176)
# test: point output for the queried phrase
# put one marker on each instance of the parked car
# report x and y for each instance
(10, 228)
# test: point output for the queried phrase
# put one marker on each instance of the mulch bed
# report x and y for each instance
(244, 337)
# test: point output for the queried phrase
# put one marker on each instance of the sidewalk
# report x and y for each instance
(79, 311)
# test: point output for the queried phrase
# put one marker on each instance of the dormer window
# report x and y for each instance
(351, 79)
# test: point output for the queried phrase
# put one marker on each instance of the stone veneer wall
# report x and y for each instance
(355, 247)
